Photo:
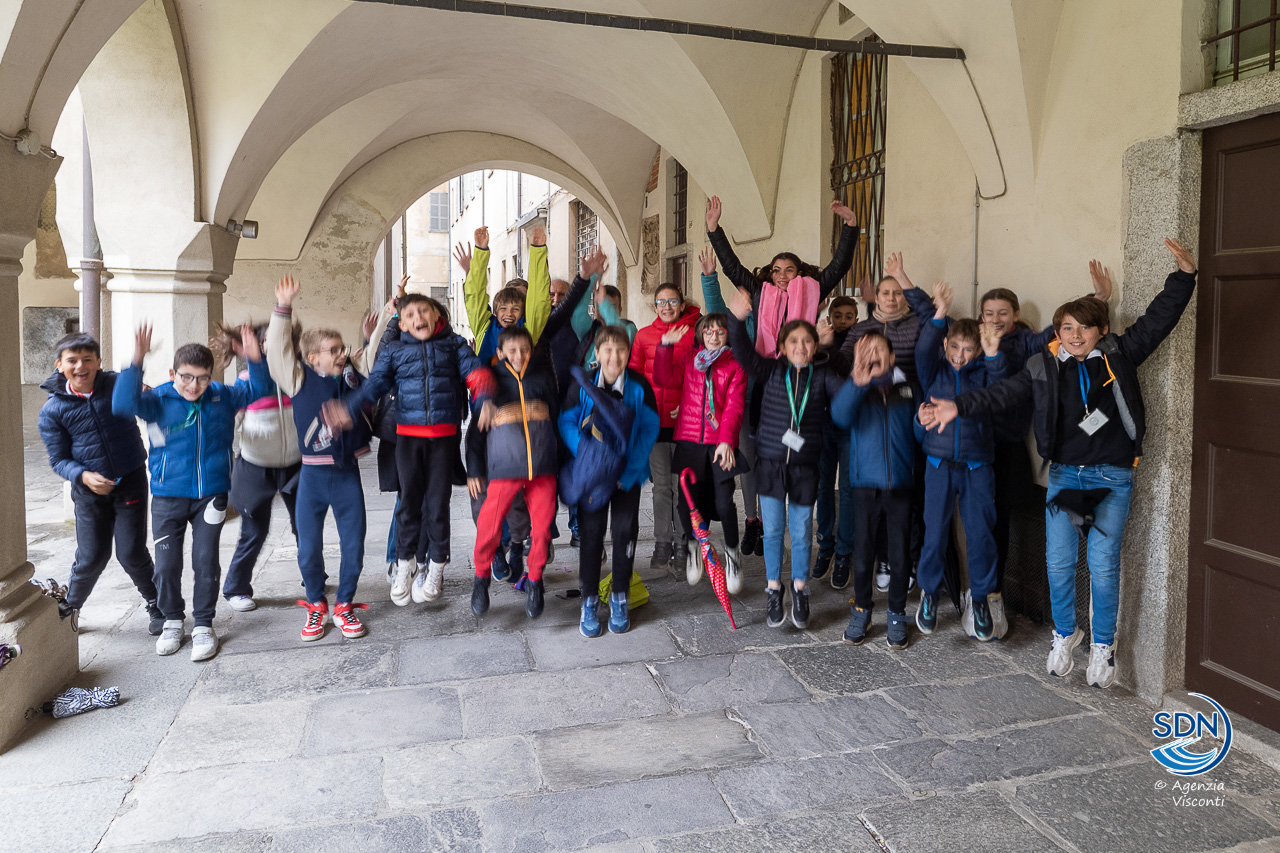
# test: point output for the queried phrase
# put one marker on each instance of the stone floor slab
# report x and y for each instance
(950, 654)
(207, 736)
(458, 833)
(571, 820)
(775, 787)
(247, 797)
(460, 658)
(728, 681)
(383, 719)
(639, 749)
(982, 819)
(557, 649)
(711, 634)
(824, 830)
(60, 817)
(536, 701)
(446, 773)
(807, 729)
(989, 703)
(843, 670)
(268, 676)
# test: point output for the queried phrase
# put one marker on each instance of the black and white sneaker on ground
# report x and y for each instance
(882, 576)
(800, 607)
(774, 616)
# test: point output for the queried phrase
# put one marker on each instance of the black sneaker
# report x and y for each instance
(515, 559)
(533, 599)
(983, 627)
(840, 571)
(574, 541)
(680, 559)
(753, 537)
(661, 555)
(155, 623)
(480, 596)
(775, 616)
(859, 623)
(800, 607)
(898, 630)
(821, 566)
(927, 613)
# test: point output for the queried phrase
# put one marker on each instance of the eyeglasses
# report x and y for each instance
(667, 303)
(333, 351)
(188, 379)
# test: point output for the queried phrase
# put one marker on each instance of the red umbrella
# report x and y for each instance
(715, 570)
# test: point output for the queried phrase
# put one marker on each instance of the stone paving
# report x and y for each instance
(442, 732)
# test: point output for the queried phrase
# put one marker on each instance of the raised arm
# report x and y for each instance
(733, 268)
(1162, 315)
(128, 399)
(833, 273)
(475, 289)
(537, 302)
(258, 385)
(712, 298)
(757, 366)
(282, 361)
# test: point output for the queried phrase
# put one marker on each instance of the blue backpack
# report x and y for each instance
(604, 430)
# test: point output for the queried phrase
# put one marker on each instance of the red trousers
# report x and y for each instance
(540, 496)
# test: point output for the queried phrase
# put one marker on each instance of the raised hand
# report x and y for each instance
(287, 291)
(861, 357)
(893, 264)
(403, 286)
(249, 342)
(713, 213)
(867, 291)
(538, 236)
(482, 237)
(990, 336)
(1101, 280)
(826, 332)
(942, 413)
(674, 335)
(594, 262)
(840, 209)
(370, 323)
(740, 305)
(942, 294)
(462, 254)
(708, 260)
(1182, 255)
(141, 343)
(723, 456)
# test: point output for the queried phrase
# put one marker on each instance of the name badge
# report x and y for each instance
(792, 439)
(1093, 423)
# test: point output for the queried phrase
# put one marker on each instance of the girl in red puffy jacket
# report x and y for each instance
(713, 391)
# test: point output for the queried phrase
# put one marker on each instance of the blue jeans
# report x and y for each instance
(976, 488)
(773, 513)
(319, 488)
(1105, 538)
(835, 534)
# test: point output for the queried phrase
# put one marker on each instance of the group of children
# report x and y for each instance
(880, 426)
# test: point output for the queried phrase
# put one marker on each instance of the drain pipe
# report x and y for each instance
(90, 253)
(977, 205)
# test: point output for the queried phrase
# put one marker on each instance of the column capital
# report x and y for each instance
(24, 181)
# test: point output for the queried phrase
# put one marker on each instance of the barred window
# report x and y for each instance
(588, 229)
(679, 205)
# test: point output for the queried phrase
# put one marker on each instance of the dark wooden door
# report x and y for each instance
(1233, 616)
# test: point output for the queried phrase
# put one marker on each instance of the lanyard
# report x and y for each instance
(1086, 384)
(791, 396)
(711, 402)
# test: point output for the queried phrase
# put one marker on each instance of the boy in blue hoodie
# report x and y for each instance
(878, 409)
(103, 458)
(192, 420)
(959, 463)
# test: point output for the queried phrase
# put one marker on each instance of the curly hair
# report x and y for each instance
(765, 273)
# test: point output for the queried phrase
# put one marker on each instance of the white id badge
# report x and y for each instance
(792, 439)
(1093, 423)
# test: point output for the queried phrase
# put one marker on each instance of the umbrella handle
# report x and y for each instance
(686, 477)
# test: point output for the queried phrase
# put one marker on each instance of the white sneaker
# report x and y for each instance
(204, 643)
(1060, 662)
(966, 614)
(242, 603)
(693, 568)
(999, 622)
(733, 570)
(427, 586)
(170, 639)
(1102, 665)
(882, 576)
(400, 582)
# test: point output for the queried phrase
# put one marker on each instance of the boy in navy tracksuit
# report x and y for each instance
(103, 458)
(958, 463)
(878, 409)
(329, 477)
(192, 420)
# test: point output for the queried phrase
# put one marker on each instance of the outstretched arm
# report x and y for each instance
(833, 273)
(1162, 315)
(733, 268)
(537, 303)
(282, 362)
(475, 289)
(756, 365)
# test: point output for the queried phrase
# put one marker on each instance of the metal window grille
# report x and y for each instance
(438, 204)
(1246, 39)
(680, 205)
(858, 110)
(588, 229)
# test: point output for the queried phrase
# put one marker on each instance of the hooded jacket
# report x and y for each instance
(85, 434)
(879, 418)
(967, 439)
(521, 443)
(727, 383)
(645, 348)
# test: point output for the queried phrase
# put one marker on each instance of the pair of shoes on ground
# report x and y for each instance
(696, 565)
(411, 582)
(775, 614)
(981, 618)
(344, 617)
(535, 594)
(753, 537)
(508, 565)
(204, 642)
(840, 566)
(860, 625)
(1102, 659)
(619, 615)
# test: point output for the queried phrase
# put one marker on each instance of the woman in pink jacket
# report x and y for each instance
(712, 404)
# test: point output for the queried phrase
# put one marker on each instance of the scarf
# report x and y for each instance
(882, 317)
(704, 358)
(779, 307)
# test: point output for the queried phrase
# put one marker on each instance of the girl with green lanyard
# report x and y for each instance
(794, 403)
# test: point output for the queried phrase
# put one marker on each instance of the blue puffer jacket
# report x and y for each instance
(430, 377)
(190, 442)
(639, 397)
(85, 435)
(1018, 345)
(967, 439)
(882, 444)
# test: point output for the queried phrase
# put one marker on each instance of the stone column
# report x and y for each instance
(50, 654)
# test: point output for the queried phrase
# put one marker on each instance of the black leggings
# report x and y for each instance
(625, 508)
(712, 496)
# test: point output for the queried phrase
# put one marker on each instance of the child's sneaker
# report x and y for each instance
(1102, 665)
(204, 643)
(534, 598)
(155, 619)
(753, 537)
(480, 596)
(897, 630)
(401, 581)
(774, 616)
(982, 628)
(927, 613)
(693, 562)
(500, 568)
(661, 555)
(427, 585)
(316, 614)
(242, 603)
(170, 637)
(590, 624)
(821, 565)
(859, 623)
(841, 570)
(800, 607)
(1060, 662)
(882, 576)
(619, 620)
(515, 561)
(732, 570)
(344, 616)
(999, 622)
(966, 614)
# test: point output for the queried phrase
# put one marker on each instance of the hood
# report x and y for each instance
(689, 317)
